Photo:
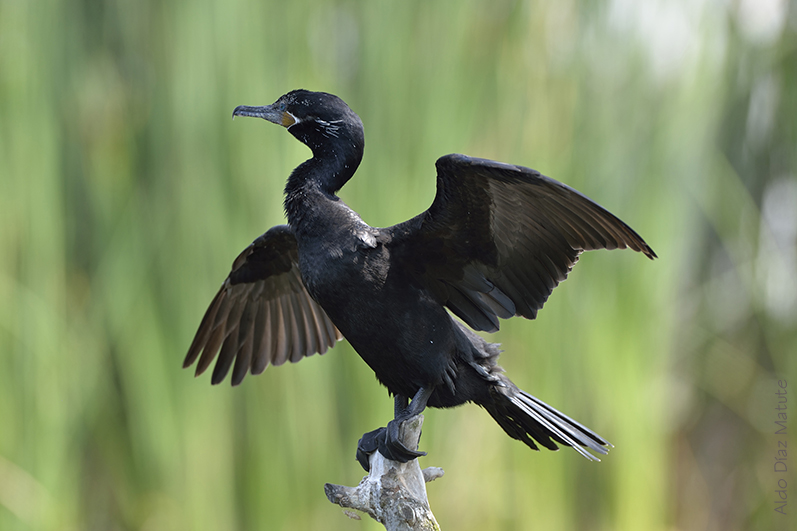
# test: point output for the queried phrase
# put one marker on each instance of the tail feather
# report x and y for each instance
(529, 419)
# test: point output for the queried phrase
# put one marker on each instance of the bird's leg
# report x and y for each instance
(393, 447)
(388, 440)
(400, 405)
(415, 407)
(371, 441)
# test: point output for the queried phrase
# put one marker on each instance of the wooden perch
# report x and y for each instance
(393, 493)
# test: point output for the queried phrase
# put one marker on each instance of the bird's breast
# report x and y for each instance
(340, 271)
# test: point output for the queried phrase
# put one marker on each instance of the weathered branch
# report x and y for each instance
(393, 493)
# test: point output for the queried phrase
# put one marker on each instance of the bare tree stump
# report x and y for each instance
(393, 493)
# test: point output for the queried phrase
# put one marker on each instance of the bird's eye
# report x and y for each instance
(283, 106)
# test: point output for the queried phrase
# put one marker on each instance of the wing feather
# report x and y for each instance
(499, 238)
(262, 315)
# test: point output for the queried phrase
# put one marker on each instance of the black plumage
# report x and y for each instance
(495, 242)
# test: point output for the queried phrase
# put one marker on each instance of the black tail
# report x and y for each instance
(528, 419)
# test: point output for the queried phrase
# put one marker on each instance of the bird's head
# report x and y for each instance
(320, 120)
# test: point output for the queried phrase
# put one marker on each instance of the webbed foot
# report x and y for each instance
(367, 445)
(388, 442)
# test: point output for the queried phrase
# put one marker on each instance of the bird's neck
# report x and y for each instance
(314, 183)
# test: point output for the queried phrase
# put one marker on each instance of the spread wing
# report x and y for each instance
(499, 238)
(262, 314)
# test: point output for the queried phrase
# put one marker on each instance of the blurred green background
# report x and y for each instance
(126, 191)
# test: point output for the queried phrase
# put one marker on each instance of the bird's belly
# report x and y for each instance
(400, 332)
(405, 353)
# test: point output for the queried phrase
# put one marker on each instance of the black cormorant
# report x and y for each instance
(495, 242)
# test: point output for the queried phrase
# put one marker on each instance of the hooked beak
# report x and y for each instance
(267, 112)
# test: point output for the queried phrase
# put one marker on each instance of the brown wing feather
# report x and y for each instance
(262, 314)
